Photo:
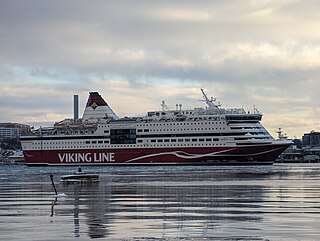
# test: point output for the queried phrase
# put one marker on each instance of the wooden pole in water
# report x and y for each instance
(54, 187)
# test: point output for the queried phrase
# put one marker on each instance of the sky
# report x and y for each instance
(138, 53)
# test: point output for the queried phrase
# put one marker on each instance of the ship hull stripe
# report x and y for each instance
(196, 155)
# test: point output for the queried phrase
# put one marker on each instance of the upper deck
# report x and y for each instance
(212, 113)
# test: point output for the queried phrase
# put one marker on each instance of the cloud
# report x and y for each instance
(140, 53)
(181, 15)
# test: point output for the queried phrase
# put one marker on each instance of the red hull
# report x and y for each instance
(259, 154)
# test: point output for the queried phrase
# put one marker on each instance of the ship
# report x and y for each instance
(201, 136)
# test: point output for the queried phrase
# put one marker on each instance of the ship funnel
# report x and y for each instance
(97, 108)
(75, 108)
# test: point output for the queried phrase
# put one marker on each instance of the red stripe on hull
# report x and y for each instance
(196, 155)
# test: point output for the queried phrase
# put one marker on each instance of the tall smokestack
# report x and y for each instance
(75, 108)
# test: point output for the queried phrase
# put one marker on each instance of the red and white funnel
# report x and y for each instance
(97, 108)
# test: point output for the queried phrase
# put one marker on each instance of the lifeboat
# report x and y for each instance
(59, 125)
(75, 125)
(89, 124)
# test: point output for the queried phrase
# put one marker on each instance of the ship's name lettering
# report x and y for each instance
(86, 157)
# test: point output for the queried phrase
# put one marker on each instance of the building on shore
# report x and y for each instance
(13, 130)
(8, 133)
(306, 150)
(311, 139)
(292, 154)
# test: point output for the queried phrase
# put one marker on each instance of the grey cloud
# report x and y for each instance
(241, 48)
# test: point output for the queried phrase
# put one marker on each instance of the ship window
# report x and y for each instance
(153, 140)
(106, 141)
(123, 136)
(139, 130)
(173, 140)
(146, 130)
(87, 142)
(106, 131)
(166, 140)
(194, 139)
(208, 139)
(201, 139)
(244, 118)
(160, 140)
(100, 141)
(94, 142)
(180, 140)
(187, 140)
(139, 141)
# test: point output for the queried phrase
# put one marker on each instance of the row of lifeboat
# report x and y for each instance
(74, 124)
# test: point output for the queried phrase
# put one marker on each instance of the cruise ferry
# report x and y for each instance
(209, 136)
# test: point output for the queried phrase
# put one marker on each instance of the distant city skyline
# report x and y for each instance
(138, 53)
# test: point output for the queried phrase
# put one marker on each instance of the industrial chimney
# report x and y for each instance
(75, 108)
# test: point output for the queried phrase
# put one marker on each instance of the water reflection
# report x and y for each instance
(140, 204)
(247, 203)
(88, 200)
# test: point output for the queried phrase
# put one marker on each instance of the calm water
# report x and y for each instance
(280, 202)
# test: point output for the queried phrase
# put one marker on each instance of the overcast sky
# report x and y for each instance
(137, 53)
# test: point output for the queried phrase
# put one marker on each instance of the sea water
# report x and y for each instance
(279, 202)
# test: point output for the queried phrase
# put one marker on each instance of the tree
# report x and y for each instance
(10, 144)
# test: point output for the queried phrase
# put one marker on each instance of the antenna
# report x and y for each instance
(164, 106)
(279, 132)
(255, 109)
(281, 135)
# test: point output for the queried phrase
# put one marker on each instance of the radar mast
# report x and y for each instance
(210, 102)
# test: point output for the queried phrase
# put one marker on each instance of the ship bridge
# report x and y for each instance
(247, 118)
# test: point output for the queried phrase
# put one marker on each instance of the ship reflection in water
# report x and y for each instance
(279, 202)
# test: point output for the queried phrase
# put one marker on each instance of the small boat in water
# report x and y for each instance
(80, 177)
